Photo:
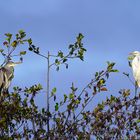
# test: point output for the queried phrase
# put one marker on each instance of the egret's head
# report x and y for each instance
(132, 55)
(135, 53)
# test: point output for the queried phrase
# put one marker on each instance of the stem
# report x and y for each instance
(34, 129)
(48, 86)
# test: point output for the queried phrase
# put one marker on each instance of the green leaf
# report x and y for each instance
(22, 34)
(30, 49)
(65, 60)
(1, 50)
(126, 93)
(96, 74)
(39, 86)
(84, 49)
(138, 121)
(101, 106)
(56, 107)
(57, 62)
(102, 81)
(60, 54)
(112, 99)
(8, 35)
(114, 70)
(15, 88)
(110, 66)
(30, 41)
(23, 53)
(77, 101)
(80, 37)
(43, 110)
(81, 58)
(14, 44)
(21, 31)
(21, 42)
(54, 90)
(65, 97)
(71, 96)
(71, 46)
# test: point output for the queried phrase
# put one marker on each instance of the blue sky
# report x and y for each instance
(111, 29)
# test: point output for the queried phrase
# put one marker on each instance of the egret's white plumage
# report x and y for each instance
(136, 66)
(7, 74)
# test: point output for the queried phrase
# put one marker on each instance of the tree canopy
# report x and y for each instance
(20, 117)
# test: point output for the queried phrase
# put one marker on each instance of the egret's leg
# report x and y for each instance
(0, 91)
(136, 88)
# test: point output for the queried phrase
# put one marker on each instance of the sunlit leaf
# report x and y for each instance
(103, 89)
(23, 53)
(30, 41)
(114, 70)
(14, 44)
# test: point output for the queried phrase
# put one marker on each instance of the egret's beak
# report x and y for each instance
(131, 55)
(15, 63)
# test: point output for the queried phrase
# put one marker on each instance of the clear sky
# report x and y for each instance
(111, 29)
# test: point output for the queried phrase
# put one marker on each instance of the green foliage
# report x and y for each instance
(11, 43)
(117, 117)
(21, 118)
(33, 89)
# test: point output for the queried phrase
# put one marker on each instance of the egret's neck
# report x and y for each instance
(11, 68)
(137, 58)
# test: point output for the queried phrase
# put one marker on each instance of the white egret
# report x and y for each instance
(136, 67)
(6, 75)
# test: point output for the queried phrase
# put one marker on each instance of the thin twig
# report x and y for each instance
(48, 86)
(84, 107)
(42, 55)
(19, 126)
